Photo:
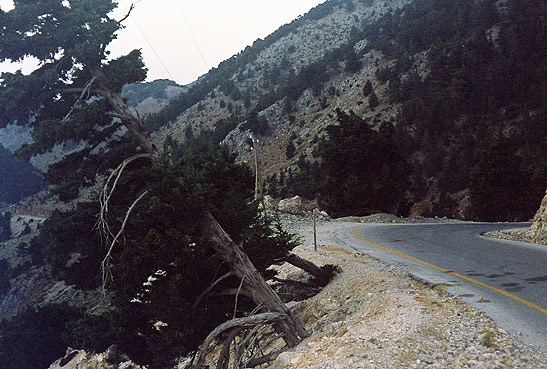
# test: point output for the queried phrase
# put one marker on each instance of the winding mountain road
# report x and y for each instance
(505, 279)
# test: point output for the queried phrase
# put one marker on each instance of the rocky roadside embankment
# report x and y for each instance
(537, 233)
(373, 315)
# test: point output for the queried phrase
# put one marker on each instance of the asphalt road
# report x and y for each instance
(505, 279)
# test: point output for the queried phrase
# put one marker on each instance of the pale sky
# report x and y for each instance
(173, 32)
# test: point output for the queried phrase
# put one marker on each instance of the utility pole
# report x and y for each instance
(254, 140)
(314, 230)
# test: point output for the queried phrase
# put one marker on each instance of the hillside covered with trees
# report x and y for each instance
(476, 121)
(460, 87)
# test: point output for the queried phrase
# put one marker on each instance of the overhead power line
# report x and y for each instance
(192, 34)
(149, 43)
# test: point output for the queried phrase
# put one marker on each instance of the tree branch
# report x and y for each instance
(128, 13)
(239, 323)
(134, 124)
(254, 362)
(261, 292)
(116, 115)
(235, 291)
(104, 198)
(208, 289)
(237, 295)
(247, 342)
(224, 356)
(69, 90)
(305, 265)
(105, 264)
(85, 91)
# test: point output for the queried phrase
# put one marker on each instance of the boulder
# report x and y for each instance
(291, 206)
(322, 215)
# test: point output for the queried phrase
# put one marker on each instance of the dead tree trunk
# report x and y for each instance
(305, 265)
(234, 325)
(261, 293)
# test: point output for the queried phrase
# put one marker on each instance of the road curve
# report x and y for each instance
(505, 279)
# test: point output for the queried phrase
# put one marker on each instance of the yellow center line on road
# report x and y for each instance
(447, 271)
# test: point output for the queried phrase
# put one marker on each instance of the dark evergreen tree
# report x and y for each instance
(353, 64)
(171, 236)
(188, 132)
(367, 88)
(290, 151)
(5, 226)
(364, 171)
(5, 275)
(499, 185)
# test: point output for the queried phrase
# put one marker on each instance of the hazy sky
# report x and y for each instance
(171, 33)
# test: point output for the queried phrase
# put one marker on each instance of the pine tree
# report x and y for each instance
(364, 171)
(373, 100)
(367, 88)
(163, 208)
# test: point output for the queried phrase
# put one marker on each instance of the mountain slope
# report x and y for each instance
(462, 84)
(151, 97)
(293, 79)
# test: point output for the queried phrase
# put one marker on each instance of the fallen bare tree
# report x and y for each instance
(260, 291)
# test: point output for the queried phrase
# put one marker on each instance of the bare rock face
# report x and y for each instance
(13, 137)
(538, 230)
(291, 206)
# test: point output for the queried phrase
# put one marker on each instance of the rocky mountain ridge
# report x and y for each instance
(151, 97)
(426, 89)
(310, 113)
(284, 91)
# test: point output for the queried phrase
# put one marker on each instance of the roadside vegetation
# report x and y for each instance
(174, 238)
